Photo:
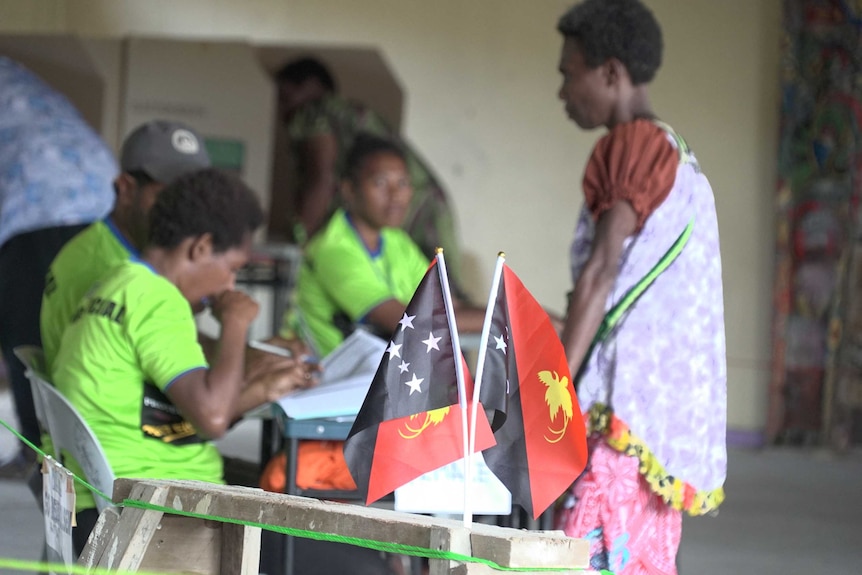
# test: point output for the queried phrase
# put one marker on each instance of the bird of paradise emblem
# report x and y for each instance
(433, 417)
(558, 398)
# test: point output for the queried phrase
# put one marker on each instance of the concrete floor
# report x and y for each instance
(788, 512)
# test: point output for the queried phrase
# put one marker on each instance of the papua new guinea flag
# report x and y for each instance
(527, 390)
(410, 422)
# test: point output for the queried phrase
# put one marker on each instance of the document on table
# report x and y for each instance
(344, 382)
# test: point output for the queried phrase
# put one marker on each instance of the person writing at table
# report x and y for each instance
(361, 269)
(130, 361)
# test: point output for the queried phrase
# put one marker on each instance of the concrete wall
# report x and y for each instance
(480, 82)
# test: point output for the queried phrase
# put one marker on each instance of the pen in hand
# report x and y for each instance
(269, 348)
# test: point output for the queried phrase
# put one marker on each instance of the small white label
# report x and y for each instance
(442, 491)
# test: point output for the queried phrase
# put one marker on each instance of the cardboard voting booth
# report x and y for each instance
(224, 88)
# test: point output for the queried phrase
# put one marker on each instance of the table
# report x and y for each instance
(293, 431)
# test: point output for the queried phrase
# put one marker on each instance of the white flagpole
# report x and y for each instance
(483, 345)
(459, 377)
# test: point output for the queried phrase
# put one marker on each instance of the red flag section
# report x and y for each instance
(410, 422)
(411, 446)
(541, 440)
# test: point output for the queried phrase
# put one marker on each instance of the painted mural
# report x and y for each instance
(817, 330)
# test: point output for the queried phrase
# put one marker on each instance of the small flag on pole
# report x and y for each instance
(527, 390)
(411, 420)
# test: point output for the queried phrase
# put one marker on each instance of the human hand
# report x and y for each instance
(294, 345)
(279, 381)
(258, 363)
(234, 307)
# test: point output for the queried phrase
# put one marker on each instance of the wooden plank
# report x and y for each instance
(498, 544)
(184, 544)
(529, 549)
(240, 549)
(291, 511)
(96, 542)
(455, 541)
(125, 547)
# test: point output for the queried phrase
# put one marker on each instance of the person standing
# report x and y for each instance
(55, 178)
(644, 329)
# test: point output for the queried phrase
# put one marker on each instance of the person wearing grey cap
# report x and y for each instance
(152, 156)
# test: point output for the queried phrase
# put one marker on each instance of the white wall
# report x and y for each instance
(480, 81)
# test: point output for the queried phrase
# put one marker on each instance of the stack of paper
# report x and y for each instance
(346, 377)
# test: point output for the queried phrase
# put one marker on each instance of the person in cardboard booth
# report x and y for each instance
(322, 127)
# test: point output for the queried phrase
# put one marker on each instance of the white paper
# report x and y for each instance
(344, 382)
(358, 354)
(58, 499)
(442, 491)
(332, 400)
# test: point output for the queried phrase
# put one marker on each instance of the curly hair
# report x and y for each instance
(365, 146)
(622, 29)
(307, 68)
(205, 202)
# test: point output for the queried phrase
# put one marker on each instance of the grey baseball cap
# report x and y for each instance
(163, 150)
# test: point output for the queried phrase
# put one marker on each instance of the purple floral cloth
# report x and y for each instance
(662, 370)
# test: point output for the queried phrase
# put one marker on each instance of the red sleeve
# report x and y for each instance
(635, 162)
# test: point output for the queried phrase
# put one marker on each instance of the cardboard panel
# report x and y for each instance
(217, 87)
(66, 63)
(361, 74)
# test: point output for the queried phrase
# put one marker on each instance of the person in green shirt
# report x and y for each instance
(322, 127)
(361, 269)
(130, 361)
(152, 155)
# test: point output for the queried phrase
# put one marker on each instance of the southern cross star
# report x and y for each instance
(501, 343)
(431, 342)
(394, 349)
(414, 384)
(404, 366)
(406, 321)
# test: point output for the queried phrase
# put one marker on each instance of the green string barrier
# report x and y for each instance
(389, 547)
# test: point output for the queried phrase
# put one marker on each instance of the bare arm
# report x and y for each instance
(469, 317)
(318, 157)
(209, 345)
(208, 397)
(587, 303)
(387, 315)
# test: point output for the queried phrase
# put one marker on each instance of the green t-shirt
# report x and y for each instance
(430, 220)
(83, 260)
(131, 337)
(340, 281)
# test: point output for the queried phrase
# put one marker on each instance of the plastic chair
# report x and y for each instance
(34, 362)
(69, 433)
